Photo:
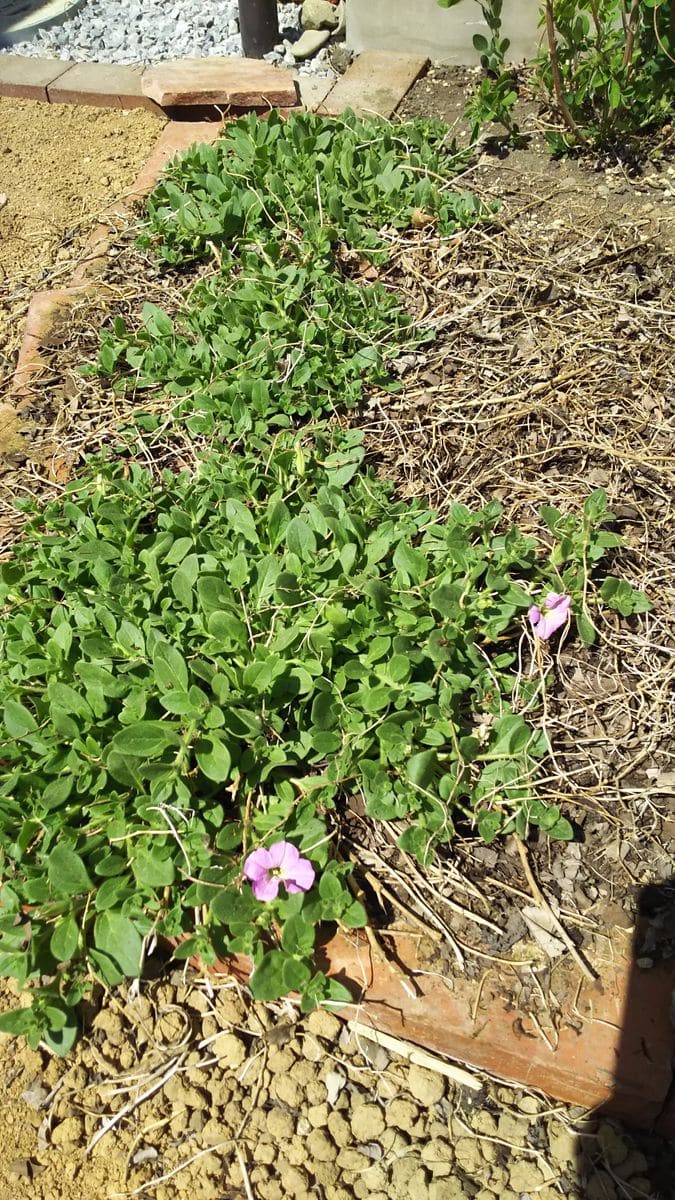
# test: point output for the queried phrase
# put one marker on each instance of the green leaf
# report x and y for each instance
(18, 720)
(117, 937)
(411, 565)
(153, 868)
(562, 831)
(267, 981)
(67, 873)
(65, 938)
(170, 668)
(300, 538)
(422, 768)
(144, 739)
(241, 519)
(214, 759)
(489, 825)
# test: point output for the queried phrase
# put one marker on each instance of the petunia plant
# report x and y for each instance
(199, 677)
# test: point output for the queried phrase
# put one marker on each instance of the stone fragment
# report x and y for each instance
(352, 1160)
(308, 43)
(280, 1125)
(29, 78)
(317, 1116)
(68, 1132)
(426, 1086)
(229, 1050)
(339, 1129)
(321, 1146)
(468, 1155)
(525, 1176)
(614, 1147)
(319, 14)
(376, 82)
(102, 85)
(437, 1156)
(294, 1181)
(402, 1114)
(367, 1122)
(241, 82)
(287, 1090)
(324, 1025)
(447, 1189)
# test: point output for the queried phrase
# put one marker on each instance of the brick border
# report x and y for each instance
(620, 1054)
(376, 82)
(618, 1058)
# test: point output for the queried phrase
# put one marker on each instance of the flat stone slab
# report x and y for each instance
(240, 82)
(29, 78)
(100, 84)
(375, 84)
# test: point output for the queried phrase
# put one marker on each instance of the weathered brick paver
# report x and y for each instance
(101, 85)
(240, 82)
(29, 78)
(376, 82)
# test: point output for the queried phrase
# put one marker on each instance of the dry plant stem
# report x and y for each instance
(631, 31)
(557, 77)
(541, 900)
(407, 982)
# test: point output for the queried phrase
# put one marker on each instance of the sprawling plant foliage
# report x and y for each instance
(201, 664)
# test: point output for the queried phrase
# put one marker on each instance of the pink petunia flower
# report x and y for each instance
(281, 863)
(550, 615)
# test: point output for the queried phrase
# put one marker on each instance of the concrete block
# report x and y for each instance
(375, 83)
(29, 78)
(443, 35)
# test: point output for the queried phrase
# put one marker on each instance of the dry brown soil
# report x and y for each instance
(60, 167)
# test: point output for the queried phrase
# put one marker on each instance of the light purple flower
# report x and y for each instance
(281, 863)
(550, 615)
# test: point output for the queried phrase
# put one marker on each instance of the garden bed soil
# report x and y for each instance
(551, 374)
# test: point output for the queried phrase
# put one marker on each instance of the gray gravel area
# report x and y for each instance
(191, 1089)
(144, 31)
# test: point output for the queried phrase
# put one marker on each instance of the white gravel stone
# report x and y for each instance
(126, 31)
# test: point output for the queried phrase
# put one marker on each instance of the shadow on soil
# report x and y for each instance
(623, 1159)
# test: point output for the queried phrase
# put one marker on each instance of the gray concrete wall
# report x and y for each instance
(443, 34)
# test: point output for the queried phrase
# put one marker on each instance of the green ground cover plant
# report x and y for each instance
(606, 69)
(200, 665)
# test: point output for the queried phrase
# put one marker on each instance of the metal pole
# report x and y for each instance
(259, 26)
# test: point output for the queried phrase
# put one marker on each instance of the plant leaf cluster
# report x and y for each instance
(199, 663)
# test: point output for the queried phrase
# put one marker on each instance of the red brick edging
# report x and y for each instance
(375, 83)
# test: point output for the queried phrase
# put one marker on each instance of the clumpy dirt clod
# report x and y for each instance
(187, 1088)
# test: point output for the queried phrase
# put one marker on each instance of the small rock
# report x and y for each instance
(68, 1132)
(437, 1156)
(294, 1181)
(468, 1155)
(426, 1086)
(319, 14)
(317, 1116)
(600, 1187)
(308, 43)
(287, 1090)
(324, 1025)
(280, 1125)
(367, 1122)
(339, 1129)
(613, 1145)
(525, 1176)
(311, 1049)
(401, 1114)
(229, 1050)
(321, 1147)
